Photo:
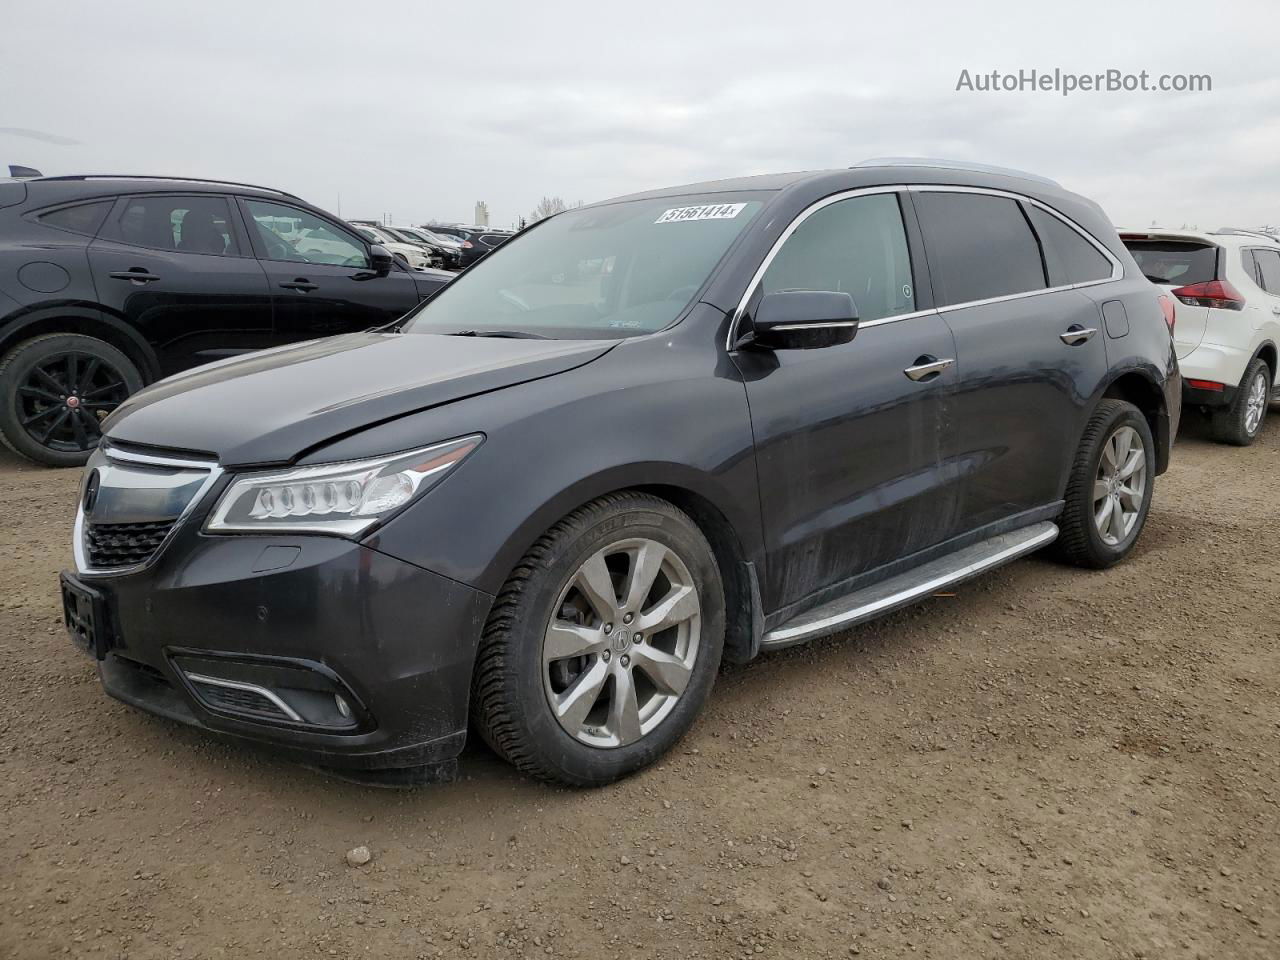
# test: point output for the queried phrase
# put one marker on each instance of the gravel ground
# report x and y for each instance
(1050, 763)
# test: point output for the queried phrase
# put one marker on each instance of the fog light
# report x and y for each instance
(344, 708)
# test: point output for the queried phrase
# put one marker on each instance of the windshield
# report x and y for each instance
(612, 271)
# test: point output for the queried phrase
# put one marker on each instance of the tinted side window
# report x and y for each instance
(855, 246)
(288, 233)
(1069, 257)
(1250, 267)
(983, 246)
(83, 218)
(185, 224)
(1268, 269)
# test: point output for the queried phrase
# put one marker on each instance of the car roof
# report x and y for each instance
(876, 172)
(91, 185)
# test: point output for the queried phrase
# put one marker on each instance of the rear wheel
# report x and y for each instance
(602, 647)
(56, 390)
(1240, 423)
(1109, 490)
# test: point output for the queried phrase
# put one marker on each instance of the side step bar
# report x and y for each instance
(880, 598)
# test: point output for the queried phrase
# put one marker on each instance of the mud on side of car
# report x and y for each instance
(640, 437)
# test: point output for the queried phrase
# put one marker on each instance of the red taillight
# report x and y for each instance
(1205, 385)
(1169, 310)
(1212, 293)
(466, 244)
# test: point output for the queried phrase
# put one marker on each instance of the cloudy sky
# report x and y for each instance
(417, 110)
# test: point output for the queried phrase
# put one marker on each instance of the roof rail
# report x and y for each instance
(953, 165)
(1238, 232)
(139, 176)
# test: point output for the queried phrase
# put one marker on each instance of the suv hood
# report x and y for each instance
(273, 406)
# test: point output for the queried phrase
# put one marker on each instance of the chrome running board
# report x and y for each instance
(887, 595)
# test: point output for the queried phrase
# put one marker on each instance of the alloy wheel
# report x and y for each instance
(1120, 486)
(1255, 403)
(620, 648)
(64, 398)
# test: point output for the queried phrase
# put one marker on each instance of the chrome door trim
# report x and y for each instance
(1117, 269)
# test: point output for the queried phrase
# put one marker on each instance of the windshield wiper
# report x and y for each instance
(508, 334)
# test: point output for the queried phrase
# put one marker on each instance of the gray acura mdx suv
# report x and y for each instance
(643, 435)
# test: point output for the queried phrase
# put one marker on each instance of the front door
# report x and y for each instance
(320, 274)
(848, 441)
(180, 270)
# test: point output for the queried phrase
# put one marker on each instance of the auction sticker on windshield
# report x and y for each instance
(709, 211)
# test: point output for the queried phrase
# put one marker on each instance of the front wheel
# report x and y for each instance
(603, 645)
(1109, 489)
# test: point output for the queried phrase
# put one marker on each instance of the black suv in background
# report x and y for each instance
(477, 242)
(108, 283)
(704, 421)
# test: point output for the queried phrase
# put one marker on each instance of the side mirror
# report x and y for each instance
(381, 259)
(804, 319)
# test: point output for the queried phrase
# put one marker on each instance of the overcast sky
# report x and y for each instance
(418, 110)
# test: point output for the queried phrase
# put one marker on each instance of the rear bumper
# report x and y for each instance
(396, 642)
(1213, 363)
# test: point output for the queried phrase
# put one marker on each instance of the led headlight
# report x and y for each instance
(339, 498)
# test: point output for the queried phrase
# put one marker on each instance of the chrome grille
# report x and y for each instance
(131, 503)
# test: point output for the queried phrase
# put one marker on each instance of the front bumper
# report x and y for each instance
(397, 642)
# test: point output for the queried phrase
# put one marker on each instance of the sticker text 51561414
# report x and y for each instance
(708, 211)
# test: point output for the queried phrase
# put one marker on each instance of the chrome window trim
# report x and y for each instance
(1117, 269)
(144, 459)
(261, 691)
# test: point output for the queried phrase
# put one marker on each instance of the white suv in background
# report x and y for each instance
(1228, 326)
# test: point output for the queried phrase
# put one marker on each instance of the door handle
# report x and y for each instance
(134, 274)
(300, 283)
(927, 368)
(1276, 311)
(1076, 334)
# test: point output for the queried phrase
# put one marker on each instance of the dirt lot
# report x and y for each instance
(1052, 763)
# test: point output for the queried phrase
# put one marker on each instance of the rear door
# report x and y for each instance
(1030, 355)
(848, 442)
(179, 269)
(1171, 263)
(320, 274)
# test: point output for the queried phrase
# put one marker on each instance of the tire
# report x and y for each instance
(37, 419)
(1240, 423)
(1084, 539)
(514, 683)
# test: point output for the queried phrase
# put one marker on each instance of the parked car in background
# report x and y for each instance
(699, 422)
(110, 283)
(1227, 283)
(449, 249)
(413, 255)
(477, 242)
